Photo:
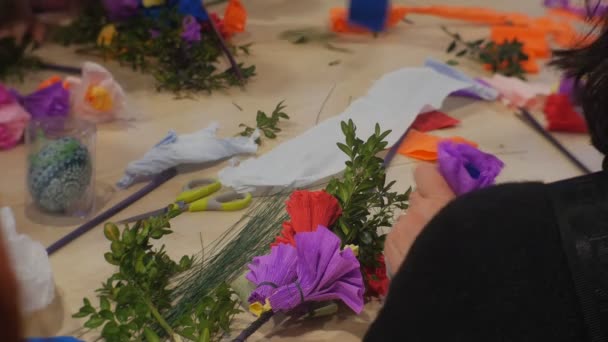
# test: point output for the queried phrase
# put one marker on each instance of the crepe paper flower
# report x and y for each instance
(465, 168)
(561, 115)
(353, 248)
(235, 17)
(323, 273)
(106, 35)
(52, 80)
(52, 101)
(13, 120)
(96, 96)
(376, 279)
(191, 29)
(193, 8)
(269, 272)
(308, 210)
(118, 10)
(219, 24)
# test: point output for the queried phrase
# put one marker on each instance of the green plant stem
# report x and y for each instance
(161, 321)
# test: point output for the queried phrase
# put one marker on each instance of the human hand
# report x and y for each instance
(431, 195)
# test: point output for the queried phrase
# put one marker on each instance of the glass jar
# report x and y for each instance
(61, 165)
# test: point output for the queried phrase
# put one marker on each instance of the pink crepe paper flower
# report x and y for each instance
(97, 97)
(13, 120)
(466, 168)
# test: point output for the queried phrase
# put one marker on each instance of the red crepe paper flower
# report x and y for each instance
(308, 210)
(219, 24)
(376, 279)
(561, 115)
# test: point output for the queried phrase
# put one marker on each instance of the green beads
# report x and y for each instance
(59, 174)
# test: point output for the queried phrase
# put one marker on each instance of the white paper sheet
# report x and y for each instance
(394, 101)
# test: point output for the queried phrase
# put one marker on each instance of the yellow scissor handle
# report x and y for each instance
(197, 189)
(230, 201)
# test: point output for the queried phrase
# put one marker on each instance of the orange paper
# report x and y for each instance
(534, 39)
(235, 17)
(339, 20)
(52, 80)
(423, 146)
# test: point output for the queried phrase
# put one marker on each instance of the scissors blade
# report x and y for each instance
(135, 218)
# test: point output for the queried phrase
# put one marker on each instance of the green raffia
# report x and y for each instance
(226, 258)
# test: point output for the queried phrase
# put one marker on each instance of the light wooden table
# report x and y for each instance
(300, 75)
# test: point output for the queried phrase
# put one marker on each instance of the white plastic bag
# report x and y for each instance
(30, 263)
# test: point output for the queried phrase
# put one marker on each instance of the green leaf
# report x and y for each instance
(111, 259)
(451, 47)
(110, 230)
(94, 322)
(117, 248)
(150, 335)
(106, 314)
(462, 53)
(205, 336)
(104, 303)
(110, 329)
(347, 150)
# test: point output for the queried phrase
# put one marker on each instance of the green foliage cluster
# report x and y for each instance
(366, 199)
(505, 58)
(155, 45)
(134, 301)
(15, 61)
(267, 124)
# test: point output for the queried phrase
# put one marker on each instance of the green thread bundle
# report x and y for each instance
(227, 257)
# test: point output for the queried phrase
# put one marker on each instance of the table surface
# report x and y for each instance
(300, 75)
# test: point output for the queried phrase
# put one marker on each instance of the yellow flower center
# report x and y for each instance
(258, 309)
(353, 248)
(99, 98)
(152, 3)
(106, 35)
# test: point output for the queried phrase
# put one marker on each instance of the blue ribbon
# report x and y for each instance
(370, 14)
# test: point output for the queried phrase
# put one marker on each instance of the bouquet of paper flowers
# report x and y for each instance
(178, 41)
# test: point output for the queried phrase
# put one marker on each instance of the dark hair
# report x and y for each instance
(588, 65)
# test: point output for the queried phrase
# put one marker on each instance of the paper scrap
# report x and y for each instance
(518, 93)
(424, 146)
(426, 122)
(478, 88)
(393, 102)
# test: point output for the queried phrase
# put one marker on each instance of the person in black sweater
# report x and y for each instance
(514, 262)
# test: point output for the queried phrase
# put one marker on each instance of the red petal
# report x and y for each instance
(561, 115)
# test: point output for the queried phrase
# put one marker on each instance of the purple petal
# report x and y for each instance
(466, 168)
(191, 29)
(52, 101)
(272, 271)
(324, 273)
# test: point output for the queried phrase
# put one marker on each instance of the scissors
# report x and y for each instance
(196, 196)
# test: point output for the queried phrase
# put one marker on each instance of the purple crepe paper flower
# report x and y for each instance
(269, 272)
(323, 273)
(121, 9)
(466, 168)
(191, 29)
(52, 101)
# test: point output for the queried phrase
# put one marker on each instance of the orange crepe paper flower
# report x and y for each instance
(339, 20)
(423, 146)
(308, 210)
(235, 17)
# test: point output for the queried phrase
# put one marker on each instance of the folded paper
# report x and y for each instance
(30, 263)
(196, 148)
(393, 102)
(424, 146)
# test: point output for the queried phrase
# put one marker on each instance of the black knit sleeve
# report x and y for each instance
(488, 267)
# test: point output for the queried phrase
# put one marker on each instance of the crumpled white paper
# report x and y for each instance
(30, 263)
(199, 147)
(394, 101)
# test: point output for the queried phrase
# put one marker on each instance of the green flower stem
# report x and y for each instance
(161, 321)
